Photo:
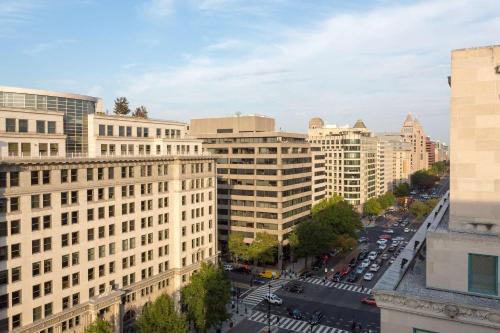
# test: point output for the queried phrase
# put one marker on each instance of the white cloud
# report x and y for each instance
(13, 13)
(376, 65)
(159, 8)
(44, 46)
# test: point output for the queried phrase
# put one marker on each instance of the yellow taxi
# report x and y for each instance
(270, 274)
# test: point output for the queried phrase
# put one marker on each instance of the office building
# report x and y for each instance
(96, 221)
(399, 153)
(350, 161)
(430, 148)
(264, 177)
(414, 134)
(449, 282)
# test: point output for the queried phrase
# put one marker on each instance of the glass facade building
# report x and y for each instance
(75, 114)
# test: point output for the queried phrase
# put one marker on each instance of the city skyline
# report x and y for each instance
(216, 58)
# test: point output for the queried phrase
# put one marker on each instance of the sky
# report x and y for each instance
(375, 60)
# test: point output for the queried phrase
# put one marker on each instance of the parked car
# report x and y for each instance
(368, 276)
(399, 239)
(391, 248)
(228, 267)
(352, 263)
(365, 263)
(359, 269)
(294, 287)
(267, 274)
(381, 241)
(407, 230)
(396, 224)
(372, 255)
(369, 300)
(389, 231)
(242, 269)
(384, 236)
(258, 281)
(353, 276)
(385, 256)
(305, 274)
(273, 299)
(382, 246)
(316, 317)
(392, 260)
(362, 240)
(294, 313)
(374, 267)
(345, 270)
(362, 255)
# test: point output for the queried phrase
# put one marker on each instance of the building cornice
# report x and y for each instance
(466, 314)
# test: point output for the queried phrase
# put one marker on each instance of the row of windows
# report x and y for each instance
(22, 126)
(141, 132)
(44, 149)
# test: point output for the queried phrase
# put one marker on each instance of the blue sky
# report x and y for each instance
(339, 60)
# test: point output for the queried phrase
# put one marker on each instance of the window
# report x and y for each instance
(102, 130)
(418, 330)
(23, 126)
(483, 274)
(16, 297)
(51, 127)
(15, 227)
(40, 126)
(10, 125)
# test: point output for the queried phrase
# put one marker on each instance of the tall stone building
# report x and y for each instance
(350, 161)
(414, 134)
(430, 148)
(450, 282)
(400, 157)
(98, 214)
(264, 177)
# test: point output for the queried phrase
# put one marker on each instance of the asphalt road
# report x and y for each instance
(340, 307)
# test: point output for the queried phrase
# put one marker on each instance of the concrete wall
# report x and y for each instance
(236, 124)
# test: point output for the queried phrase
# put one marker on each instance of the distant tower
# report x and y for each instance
(316, 123)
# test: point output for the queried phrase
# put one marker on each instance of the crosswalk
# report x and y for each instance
(256, 296)
(293, 324)
(339, 285)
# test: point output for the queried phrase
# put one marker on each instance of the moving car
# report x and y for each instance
(273, 299)
(396, 224)
(407, 230)
(362, 255)
(389, 231)
(294, 313)
(228, 267)
(381, 241)
(270, 275)
(352, 263)
(294, 287)
(368, 276)
(369, 300)
(365, 263)
(382, 246)
(399, 239)
(359, 269)
(385, 256)
(391, 248)
(259, 281)
(353, 276)
(346, 270)
(374, 267)
(362, 240)
(384, 236)
(372, 255)
(316, 317)
(337, 276)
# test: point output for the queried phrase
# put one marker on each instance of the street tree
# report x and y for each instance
(402, 190)
(140, 112)
(339, 214)
(314, 238)
(161, 316)
(345, 242)
(237, 247)
(293, 241)
(419, 209)
(264, 248)
(121, 106)
(387, 200)
(372, 207)
(206, 296)
(99, 326)
(423, 179)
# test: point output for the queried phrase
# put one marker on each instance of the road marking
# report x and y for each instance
(293, 324)
(343, 286)
(256, 296)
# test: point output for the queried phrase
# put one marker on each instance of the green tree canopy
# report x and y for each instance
(121, 106)
(387, 200)
(238, 249)
(314, 238)
(206, 296)
(438, 168)
(423, 179)
(402, 190)
(419, 209)
(372, 207)
(99, 326)
(339, 214)
(161, 316)
(140, 112)
(264, 248)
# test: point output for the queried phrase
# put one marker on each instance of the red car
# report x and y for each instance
(369, 300)
(345, 271)
(388, 237)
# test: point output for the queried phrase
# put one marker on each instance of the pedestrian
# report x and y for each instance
(353, 326)
(360, 327)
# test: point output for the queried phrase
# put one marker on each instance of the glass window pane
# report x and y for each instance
(483, 274)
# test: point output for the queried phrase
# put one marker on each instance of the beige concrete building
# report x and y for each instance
(95, 233)
(399, 155)
(384, 165)
(318, 173)
(413, 133)
(264, 177)
(451, 281)
(350, 162)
